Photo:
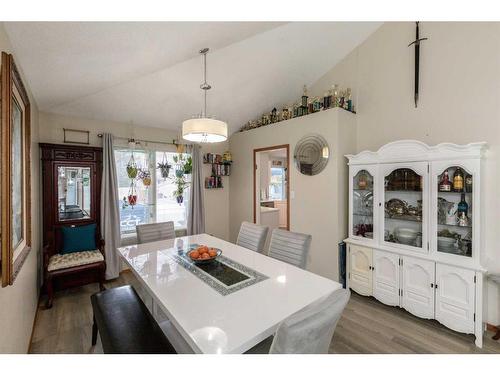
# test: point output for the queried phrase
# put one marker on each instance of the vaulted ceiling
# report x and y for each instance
(149, 73)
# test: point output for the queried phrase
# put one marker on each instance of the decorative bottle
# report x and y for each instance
(349, 100)
(462, 211)
(303, 109)
(458, 180)
(335, 96)
(445, 184)
(468, 183)
(326, 100)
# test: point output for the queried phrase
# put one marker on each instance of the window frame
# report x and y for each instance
(151, 156)
(283, 181)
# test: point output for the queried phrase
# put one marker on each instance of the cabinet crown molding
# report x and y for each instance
(413, 150)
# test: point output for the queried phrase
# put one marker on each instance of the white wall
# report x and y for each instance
(18, 302)
(264, 169)
(216, 200)
(459, 100)
(319, 206)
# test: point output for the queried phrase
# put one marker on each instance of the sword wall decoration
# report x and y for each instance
(416, 43)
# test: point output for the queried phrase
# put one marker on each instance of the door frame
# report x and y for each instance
(270, 148)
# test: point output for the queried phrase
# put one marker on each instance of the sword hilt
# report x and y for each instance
(417, 41)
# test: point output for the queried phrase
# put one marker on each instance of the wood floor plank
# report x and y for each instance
(366, 326)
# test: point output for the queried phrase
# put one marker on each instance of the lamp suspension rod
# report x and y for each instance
(205, 86)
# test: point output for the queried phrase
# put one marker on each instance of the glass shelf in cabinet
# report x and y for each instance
(456, 225)
(404, 218)
(362, 214)
(393, 240)
(403, 191)
(454, 251)
(455, 192)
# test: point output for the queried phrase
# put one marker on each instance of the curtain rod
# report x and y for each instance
(175, 143)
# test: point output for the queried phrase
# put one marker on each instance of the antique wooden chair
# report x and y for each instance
(66, 270)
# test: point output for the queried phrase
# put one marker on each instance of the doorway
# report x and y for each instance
(271, 187)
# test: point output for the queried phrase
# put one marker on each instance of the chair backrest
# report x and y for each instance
(252, 236)
(155, 232)
(310, 330)
(290, 247)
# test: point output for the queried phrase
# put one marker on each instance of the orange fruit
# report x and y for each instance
(205, 256)
(212, 253)
(194, 254)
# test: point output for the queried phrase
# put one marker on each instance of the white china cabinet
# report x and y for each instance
(415, 237)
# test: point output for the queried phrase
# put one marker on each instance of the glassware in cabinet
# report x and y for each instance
(362, 204)
(454, 234)
(403, 216)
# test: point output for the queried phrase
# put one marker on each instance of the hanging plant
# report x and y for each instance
(179, 168)
(178, 193)
(188, 165)
(132, 167)
(145, 177)
(132, 195)
(179, 172)
(164, 167)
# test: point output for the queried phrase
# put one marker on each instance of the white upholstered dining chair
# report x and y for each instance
(308, 331)
(290, 247)
(252, 236)
(155, 232)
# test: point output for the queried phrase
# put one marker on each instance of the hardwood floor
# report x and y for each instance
(367, 326)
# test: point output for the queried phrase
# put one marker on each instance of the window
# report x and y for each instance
(155, 203)
(277, 183)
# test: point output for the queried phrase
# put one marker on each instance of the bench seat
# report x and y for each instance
(125, 324)
(62, 261)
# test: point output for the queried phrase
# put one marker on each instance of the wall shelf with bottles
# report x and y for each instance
(220, 167)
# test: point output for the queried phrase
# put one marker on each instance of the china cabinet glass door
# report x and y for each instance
(404, 205)
(453, 212)
(362, 218)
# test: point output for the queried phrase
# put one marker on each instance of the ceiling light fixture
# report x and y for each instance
(203, 128)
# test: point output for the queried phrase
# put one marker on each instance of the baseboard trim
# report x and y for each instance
(34, 324)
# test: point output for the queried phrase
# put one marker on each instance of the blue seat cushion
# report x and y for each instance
(81, 238)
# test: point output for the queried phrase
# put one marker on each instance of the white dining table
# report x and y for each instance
(210, 316)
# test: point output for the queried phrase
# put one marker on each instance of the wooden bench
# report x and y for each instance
(125, 324)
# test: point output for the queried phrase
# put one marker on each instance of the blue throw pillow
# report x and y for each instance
(80, 238)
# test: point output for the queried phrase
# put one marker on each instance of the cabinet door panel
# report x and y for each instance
(417, 286)
(444, 210)
(386, 277)
(363, 203)
(404, 197)
(455, 296)
(360, 262)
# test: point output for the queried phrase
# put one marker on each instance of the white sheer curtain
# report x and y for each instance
(110, 215)
(196, 209)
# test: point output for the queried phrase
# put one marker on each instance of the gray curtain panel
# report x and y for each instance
(196, 209)
(110, 215)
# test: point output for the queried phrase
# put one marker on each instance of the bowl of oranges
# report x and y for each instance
(203, 254)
